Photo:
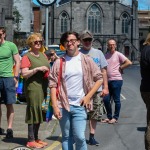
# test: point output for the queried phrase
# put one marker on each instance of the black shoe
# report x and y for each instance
(92, 141)
(9, 134)
(2, 131)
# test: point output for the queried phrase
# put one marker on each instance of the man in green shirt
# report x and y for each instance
(9, 57)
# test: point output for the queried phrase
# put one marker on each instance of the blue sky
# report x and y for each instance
(142, 4)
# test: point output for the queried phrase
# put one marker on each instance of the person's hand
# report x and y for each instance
(16, 83)
(43, 68)
(57, 113)
(104, 92)
(120, 70)
(85, 101)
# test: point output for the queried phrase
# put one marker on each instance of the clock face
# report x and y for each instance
(46, 2)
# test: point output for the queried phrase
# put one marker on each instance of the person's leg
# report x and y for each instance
(10, 115)
(36, 130)
(116, 88)
(1, 130)
(9, 97)
(146, 99)
(95, 115)
(66, 129)
(79, 117)
(107, 101)
(0, 115)
(31, 139)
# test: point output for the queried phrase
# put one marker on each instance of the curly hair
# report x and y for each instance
(66, 34)
(32, 38)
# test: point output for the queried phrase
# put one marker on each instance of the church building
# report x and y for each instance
(105, 19)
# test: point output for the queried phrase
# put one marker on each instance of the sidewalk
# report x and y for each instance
(20, 129)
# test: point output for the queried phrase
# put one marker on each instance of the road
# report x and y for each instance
(128, 133)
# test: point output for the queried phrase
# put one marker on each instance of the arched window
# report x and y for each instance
(125, 23)
(64, 22)
(94, 19)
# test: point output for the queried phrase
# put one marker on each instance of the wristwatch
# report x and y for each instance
(16, 77)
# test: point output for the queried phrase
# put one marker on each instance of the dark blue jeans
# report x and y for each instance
(114, 92)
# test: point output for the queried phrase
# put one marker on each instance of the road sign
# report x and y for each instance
(46, 2)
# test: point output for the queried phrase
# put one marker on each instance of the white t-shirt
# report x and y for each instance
(74, 79)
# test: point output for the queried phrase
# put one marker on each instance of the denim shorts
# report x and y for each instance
(98, 107)
(7, 90)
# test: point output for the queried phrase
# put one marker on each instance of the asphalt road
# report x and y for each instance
(127, 134)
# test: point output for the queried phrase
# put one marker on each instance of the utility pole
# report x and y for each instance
(132, 22)
(114, 16)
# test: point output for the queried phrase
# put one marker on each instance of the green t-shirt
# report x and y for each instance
(7, 50)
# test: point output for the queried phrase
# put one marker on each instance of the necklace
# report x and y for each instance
(36, 55)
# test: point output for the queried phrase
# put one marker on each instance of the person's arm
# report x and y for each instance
(17, 68)
(86, 101)
(125, 64)
(105, 90)
(26, 72)
(56, 110)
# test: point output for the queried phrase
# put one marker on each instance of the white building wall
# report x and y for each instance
(24, 8)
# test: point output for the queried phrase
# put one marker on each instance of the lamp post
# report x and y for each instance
(46, 3)
(132, 23)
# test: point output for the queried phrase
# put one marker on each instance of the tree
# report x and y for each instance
(17, 18)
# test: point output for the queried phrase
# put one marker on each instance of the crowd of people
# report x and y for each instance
(82, 84)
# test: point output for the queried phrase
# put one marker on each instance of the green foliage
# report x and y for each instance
(17, 18)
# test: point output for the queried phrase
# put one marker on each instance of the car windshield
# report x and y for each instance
(54, 47)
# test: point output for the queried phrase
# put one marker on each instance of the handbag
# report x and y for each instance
(49, 112)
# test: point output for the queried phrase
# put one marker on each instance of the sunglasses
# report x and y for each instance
(87, 39)
(37, 42)
(51, 54)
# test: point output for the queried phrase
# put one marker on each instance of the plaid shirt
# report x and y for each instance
(91, 73)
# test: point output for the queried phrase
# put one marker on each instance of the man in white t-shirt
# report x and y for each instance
(117, 62)
(81, 78)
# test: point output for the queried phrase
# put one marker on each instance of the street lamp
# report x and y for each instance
(46, 3)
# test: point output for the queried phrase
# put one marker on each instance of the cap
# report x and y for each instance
(85, 35)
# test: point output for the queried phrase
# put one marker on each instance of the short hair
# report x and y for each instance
(3, 29)
(66, 34)
(111, 40)
(32, 38)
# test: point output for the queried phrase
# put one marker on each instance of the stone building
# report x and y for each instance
(6, 17)
(105, 19)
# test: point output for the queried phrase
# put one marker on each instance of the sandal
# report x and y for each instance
(112, 121)
(105, 120)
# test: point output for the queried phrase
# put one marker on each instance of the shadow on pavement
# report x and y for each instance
(54, 138)
(16, 140)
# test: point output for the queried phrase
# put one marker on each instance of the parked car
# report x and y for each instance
(57, 49)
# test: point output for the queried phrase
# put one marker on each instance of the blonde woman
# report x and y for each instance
(35, 69)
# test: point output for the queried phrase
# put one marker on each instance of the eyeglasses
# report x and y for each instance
(51, 54)
(72, 41)
(37, 42)
(87, 39)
